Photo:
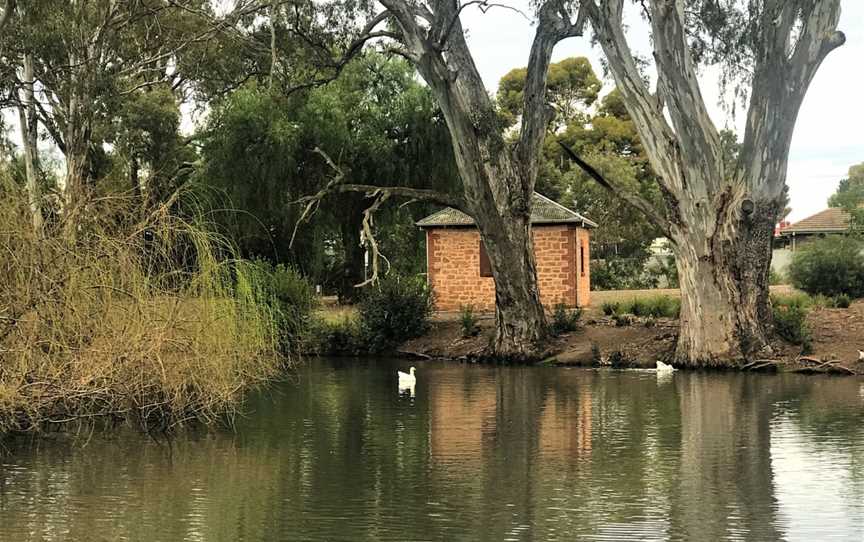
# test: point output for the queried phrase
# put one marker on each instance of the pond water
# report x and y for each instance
(479, 453)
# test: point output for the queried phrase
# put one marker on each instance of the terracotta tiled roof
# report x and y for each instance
(543, 211)
(831, 220)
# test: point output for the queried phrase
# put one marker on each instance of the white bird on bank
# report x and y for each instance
(407, 379)
(664, 368)
(860, 356)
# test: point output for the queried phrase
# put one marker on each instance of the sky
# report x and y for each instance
(829, 133)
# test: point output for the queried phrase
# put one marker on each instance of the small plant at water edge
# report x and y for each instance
(564, 319)
(394, 310)
(468, 321)
(790, 323)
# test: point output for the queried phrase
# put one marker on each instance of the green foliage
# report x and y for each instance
(468, 321)
(565, 320)
(622, 274)
(776, 278)
(343, 337)
(830, 266)
(842, 301)
(394, 310)
(790, 323)
(293, 297)
(379, 126)
(797, 299)
(571, 84)
(660, 306)
(850, 196)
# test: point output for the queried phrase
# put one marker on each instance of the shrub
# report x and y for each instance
(798, 300)
(394, 310)
(790, 323)
(659, 306)
(564, 319)
(776, 278)
(149, 319)
(468, 321)
(335, 337)
(622, 320)
(609, 308)
(842, 301)
(830, 266)
(622, 274)
(293, 297)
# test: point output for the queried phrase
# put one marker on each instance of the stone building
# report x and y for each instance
(458, 268)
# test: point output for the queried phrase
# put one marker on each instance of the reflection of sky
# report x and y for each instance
(814, 486)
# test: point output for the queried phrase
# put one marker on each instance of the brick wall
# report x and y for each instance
(453, 256)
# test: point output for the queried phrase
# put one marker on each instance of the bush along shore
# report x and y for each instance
(149, 321)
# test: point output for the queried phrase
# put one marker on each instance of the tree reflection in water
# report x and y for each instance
(485, 453)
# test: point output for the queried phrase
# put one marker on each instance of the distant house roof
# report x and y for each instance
(543, 211)
(831, 220)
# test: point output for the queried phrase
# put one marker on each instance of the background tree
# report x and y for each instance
(850, 196)
(720, 222)
(260, 150)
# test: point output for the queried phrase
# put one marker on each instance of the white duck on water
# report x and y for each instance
(407, 379)
(664, 368)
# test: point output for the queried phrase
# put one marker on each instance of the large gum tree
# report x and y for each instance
(718, 216)
(498, 175)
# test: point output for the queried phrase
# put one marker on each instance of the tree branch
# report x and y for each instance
(644, 108)
(634, 200)
(678, 83)
(380, 195)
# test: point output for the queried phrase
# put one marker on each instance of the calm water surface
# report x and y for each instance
(479, 453)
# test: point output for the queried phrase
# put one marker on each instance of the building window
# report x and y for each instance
(582, 258)
(485, 266)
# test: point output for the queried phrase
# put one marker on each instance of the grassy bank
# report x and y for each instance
(141, 318)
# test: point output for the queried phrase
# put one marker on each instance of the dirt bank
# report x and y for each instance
(838, 334)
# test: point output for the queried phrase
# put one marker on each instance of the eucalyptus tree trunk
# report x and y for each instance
(720, 219)
(498, 178)
(29, 125)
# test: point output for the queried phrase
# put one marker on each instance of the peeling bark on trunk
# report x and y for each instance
(723, 271)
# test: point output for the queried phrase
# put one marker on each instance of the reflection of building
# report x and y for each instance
(566, 424)
(462, 412)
